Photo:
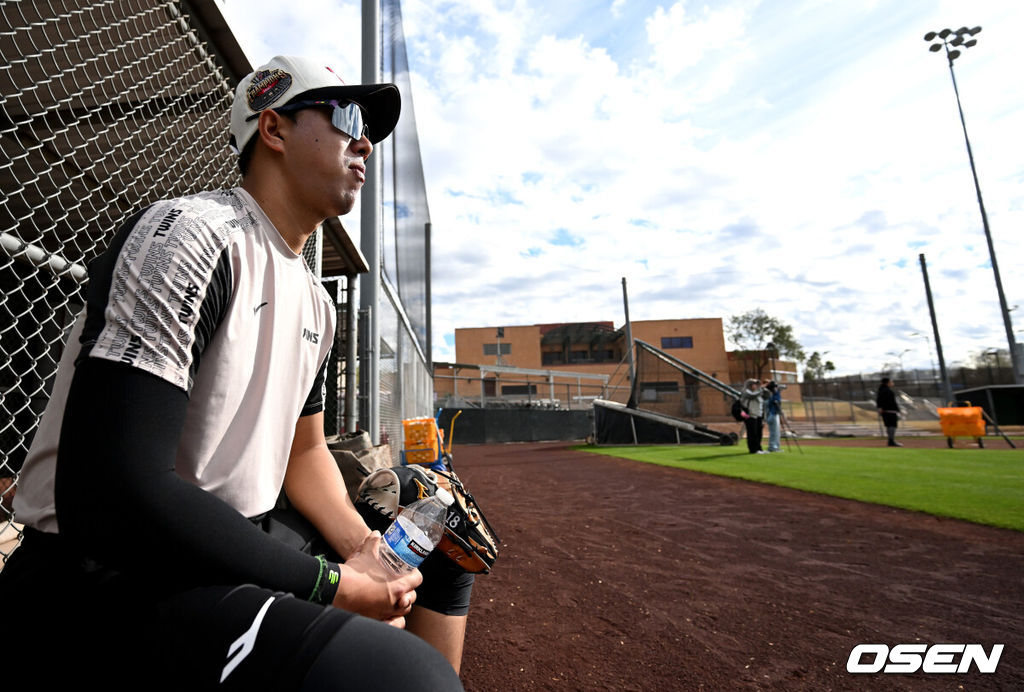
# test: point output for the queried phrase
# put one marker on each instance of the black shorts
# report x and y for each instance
(74, 623)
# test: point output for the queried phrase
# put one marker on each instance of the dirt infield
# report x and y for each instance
(616, 575)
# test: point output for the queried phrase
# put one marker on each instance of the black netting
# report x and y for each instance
(405, 215)
(674, 388)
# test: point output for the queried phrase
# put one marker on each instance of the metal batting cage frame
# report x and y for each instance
(108, 106)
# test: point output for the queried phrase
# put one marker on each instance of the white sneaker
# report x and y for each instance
(760, 451)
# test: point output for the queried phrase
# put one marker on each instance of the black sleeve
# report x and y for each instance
(120, 502)
(315, 398)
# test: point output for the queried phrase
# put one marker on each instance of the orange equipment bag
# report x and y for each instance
(962, 421)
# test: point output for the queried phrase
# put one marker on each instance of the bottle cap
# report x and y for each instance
(445, 497)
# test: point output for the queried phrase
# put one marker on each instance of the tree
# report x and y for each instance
(816, 367)
(754, 330)
(986, 357)
(994, 361)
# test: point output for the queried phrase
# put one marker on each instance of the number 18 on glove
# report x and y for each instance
(415, 532)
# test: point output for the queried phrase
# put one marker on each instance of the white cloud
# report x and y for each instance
(679, 41)
(721, 156)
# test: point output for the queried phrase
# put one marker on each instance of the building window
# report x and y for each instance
(492, 349)
(676, 342)
(579, 356)
(552, 358)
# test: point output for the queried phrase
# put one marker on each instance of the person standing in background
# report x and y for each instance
(773, 416)
(753, 400)
(889, 410)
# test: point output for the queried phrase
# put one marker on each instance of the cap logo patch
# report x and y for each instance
(266, 87)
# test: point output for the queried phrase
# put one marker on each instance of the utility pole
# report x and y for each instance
(947, 387)
(629, 332)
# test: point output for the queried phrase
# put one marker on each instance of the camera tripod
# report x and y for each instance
(792, 437)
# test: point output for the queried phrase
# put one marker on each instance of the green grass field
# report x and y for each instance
(985, 486)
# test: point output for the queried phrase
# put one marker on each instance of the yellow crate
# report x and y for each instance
(420, 456)
(421, 440)
(420, 432)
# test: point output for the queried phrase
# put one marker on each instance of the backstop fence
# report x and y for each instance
(406, 387)
(669, 387)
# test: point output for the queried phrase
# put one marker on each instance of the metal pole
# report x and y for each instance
(351, 337)
(429, 346)
(935, 330)
(629, 330)
(370, 233)
(1018, 378)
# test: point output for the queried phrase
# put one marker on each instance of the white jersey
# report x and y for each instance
(204, 293)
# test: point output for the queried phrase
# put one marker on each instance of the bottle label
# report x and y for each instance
(408, 541)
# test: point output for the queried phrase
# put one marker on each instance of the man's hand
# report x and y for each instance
(369, 589)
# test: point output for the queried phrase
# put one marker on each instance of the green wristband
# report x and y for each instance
(326, 585)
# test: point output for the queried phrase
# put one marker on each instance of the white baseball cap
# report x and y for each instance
(289, 78)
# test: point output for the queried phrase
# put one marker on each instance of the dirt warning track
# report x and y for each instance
(617, 575)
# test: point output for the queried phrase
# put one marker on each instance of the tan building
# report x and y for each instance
(545, 364)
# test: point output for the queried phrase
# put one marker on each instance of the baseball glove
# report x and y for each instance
(469, 541)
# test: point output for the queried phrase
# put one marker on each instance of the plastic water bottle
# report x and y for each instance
(415, 532)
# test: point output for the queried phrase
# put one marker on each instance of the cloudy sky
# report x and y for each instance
(791, 155)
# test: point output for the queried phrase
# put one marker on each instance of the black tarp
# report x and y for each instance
(618, 424)
(493, 425)
(1003, 403)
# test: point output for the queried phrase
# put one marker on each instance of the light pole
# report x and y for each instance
(961, 38)
(931, 360)
(899, 357)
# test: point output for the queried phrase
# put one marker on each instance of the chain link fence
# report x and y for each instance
(406, 388)
(481, 386)
(105, 107)
(844, 408)
(673, 388)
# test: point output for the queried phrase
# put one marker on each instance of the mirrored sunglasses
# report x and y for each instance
(346, 117)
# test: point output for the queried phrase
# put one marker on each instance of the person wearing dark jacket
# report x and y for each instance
(889, 410)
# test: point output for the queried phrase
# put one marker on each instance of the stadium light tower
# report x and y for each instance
(953, 41)
(930, 358)
(899, 357)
